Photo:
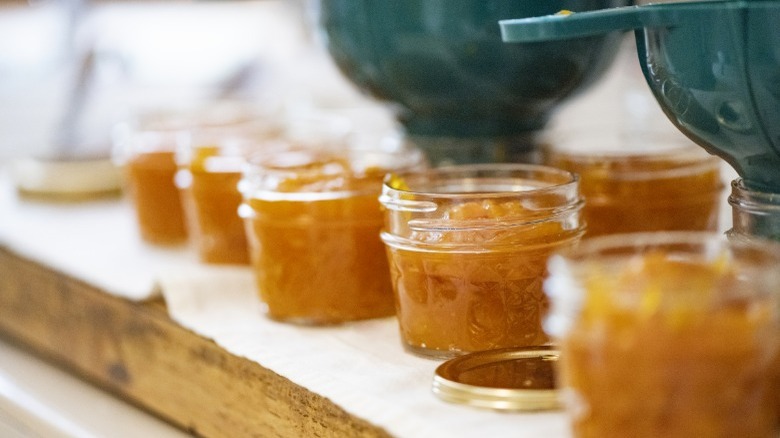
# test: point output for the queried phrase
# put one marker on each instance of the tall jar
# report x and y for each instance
(756, 216)
(663, 184)
(667, 334)
(468, 246)
(313, 220)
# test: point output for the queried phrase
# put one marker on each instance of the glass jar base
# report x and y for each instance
(430, 353)
(316, 321)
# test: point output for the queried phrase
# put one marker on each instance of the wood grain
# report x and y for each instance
(137, 352)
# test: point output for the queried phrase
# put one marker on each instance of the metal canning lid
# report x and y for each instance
(515, 379)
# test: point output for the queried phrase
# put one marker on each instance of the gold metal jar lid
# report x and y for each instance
(514, 379)
(67, 179)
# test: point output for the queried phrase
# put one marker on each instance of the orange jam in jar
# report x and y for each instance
(211, 164)
(150, 167)
(149, 146)
(313, 222)
(663, 187)
(468, 247)
(209, 185)
(668, 334)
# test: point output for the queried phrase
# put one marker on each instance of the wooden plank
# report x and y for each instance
(137, 352)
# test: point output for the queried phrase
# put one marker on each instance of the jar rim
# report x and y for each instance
(506, 197)
(263, 169)
(711, 244)
(748, 199)
(263, 159)
(688, 160)
(755, 259)
(567, 179)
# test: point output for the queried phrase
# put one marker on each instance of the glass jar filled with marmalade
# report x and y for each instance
(667, 334)
(313, 222)
(662, 184)
(148, 156)
(149, 147)
(468, 247)
(211, 161)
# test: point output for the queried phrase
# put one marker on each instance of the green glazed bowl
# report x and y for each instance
(443, 62)
(714, 68)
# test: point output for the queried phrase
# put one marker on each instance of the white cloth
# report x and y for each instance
(95, 241)
(362, 367)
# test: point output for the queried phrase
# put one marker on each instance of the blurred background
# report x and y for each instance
(71, 69)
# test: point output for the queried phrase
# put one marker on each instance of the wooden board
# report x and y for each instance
(137, 352)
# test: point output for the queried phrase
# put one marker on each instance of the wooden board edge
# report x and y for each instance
(135, 351)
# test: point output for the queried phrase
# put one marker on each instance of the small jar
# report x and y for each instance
(468, 247)
(667, 334)
(211, 161)
(663, 185)
(313, 222)
(148, 156)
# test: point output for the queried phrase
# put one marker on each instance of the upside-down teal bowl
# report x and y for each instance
(444, 66)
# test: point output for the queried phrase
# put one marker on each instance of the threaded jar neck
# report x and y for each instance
(481, 207)
(754, 213)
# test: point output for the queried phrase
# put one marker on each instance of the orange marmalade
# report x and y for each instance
(668, 189)
(211, 159)
(158, 206)
(468, 247)
(313, 221)
(209, 184)
(674, 337)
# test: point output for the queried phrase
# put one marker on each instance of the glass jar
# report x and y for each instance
(313, 222)
(756, 215)
(662, 185)
(468, 247)
(149, 147)
(667, 334)
(211, 162)
(148, 156)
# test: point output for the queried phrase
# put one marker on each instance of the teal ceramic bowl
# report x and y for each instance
(443, 64)
(714, 68)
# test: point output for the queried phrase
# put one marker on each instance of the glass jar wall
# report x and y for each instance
(313, 221)
(148, 157)
(662, 185)
(667, 334)
(467, 247)
(756, 216)
(210, 164)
